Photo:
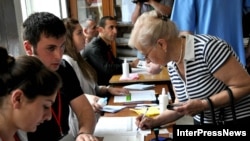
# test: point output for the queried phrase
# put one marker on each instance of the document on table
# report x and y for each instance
(139, 86)
(144, 95)
(115, 126)
(121, 129)
(112, 108)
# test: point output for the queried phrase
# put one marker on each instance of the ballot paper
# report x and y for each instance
(123, 138)
(115, 126)
(143, 95)
(139, 86)
(112, 108)
(121, 129)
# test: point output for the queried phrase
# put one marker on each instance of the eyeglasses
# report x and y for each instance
(148, 53)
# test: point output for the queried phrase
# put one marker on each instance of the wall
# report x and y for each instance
(9, 27)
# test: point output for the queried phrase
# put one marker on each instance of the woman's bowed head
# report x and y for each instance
(157, 38)
(27, 91)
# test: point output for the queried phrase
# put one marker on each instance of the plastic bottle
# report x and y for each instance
(163, 101)
(125, 69)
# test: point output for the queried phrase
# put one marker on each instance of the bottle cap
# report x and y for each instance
(125, 60)
(163, 91)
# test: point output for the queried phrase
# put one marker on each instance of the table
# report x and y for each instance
(162, 77)
(127, 112)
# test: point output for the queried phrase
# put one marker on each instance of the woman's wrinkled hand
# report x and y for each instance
(191, 107)
(144, 122)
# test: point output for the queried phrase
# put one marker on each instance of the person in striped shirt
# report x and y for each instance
(199, 66)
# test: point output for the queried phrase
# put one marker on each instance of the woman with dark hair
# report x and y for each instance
(27, 91)
(75, 42)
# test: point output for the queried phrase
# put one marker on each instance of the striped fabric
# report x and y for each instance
(209, 55)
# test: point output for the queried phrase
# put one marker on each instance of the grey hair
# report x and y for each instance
(85, 23)
(149, 27)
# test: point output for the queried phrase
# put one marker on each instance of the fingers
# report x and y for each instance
(191, 108)
(143, 122)
(86, 137)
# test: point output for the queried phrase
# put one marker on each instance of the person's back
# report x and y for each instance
(215, 17)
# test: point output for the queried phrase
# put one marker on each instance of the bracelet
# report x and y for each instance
(81, 133)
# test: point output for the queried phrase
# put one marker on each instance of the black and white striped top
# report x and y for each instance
(204, 54)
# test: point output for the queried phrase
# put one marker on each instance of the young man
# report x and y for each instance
(44, 37)
(99, 55)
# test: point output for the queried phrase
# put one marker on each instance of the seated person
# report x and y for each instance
(85, 73)
(27, 91)
(89, 28)
(44, 36)
(98, 52)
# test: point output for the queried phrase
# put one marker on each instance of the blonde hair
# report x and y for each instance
(150, 27)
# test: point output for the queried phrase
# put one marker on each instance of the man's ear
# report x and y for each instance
(17, 98)
(84, 30)
(28, 47)
(99, 29)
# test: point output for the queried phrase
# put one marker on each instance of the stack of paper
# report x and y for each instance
(139, 86)
(115, 126)
(112, 108)
(120, 129)
(145, 95)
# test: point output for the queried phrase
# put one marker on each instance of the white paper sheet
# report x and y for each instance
(121, 129)
(112, 108)
(139, 86)
(144, 95)
(115, 126)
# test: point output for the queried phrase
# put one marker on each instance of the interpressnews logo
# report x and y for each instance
(212, 132)
(202, 132)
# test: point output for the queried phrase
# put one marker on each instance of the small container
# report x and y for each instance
(125, 69)
(163, 101)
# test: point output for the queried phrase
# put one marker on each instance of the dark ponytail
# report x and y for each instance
(28, 74)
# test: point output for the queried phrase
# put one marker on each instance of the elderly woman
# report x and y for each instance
(198, 66)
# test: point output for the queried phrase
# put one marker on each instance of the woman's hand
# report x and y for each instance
(153, 68)
(93, 102)
(118, 91)
(144, 122)
(86, 137)
(191, 107)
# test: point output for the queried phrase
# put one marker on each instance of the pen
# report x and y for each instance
(144, 114)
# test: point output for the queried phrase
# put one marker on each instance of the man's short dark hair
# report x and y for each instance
(42, 23)
(103, 20)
